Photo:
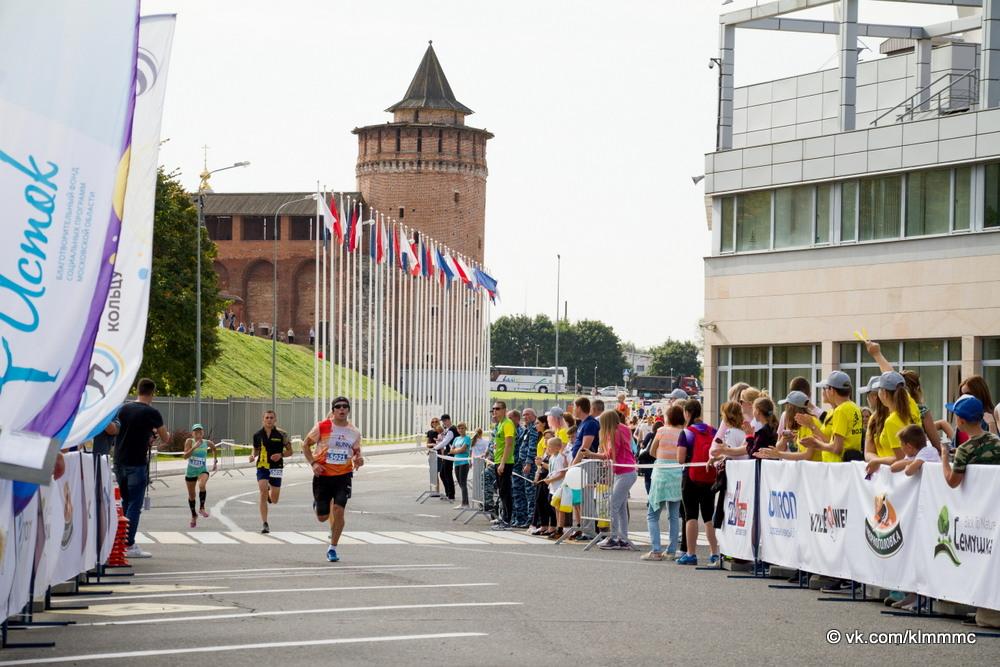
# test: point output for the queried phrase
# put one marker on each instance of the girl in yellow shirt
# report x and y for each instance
(902, 411)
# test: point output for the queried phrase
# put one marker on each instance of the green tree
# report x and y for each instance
(679, 356)
(511, 340)
(169, 350)
(588, 344)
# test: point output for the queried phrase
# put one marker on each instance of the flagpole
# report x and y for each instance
(341, 306)
(315, 323)
(359, 292)
(330, 286)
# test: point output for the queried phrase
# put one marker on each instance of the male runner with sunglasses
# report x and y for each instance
(336, 458)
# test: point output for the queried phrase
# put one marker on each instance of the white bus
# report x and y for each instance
(527, 378)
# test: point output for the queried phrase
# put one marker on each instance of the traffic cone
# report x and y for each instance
(117, 556)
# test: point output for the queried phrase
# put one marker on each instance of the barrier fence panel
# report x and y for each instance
(597, 480)
(432, 474)
(227, 458)
(477, 492)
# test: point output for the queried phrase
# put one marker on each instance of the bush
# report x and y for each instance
(177, 440)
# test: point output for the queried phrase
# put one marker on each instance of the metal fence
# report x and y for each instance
(477, 492)
(237, 419)
(596, 482)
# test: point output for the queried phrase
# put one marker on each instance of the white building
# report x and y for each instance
(866, 196)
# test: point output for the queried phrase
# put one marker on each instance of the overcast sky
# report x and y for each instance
(602, 114)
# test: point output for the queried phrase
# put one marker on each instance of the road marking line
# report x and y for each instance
(324, 536)
(298, 575)
(294, 612)
(251, 538)
(450, 537)
(171, 538)
(492, 538)
(138, 609)
(519, 537)
(238, 647)
(295, 569)
(142, 538)
(293, 538)
(261, 591)
(412, 538)
(151, 588)
(372, 538)
(212, 537)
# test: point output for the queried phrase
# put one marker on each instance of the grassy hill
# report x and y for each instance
(244, 369)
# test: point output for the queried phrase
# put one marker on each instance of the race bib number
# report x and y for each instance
(197, 462)
(333, 457)
(276, 473)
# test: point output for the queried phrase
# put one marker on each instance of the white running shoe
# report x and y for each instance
(135, 551)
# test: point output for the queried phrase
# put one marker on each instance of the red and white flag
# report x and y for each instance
(408, 256)
(463, 271)
(380, 241)
(330, 219)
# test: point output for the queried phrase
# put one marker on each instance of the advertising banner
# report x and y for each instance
(781, 523)
(50, 501)
(117, 353)
(736, 535)
(108, 515)
(63, 165)
(70, 528)
(881, 544)
(6, 538)
(88, 500)
(824, 507)
(957, 534)
(23, 535)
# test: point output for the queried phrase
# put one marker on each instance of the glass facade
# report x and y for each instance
(919, 203)
(939, 363)
(991, 364)
(769, 367)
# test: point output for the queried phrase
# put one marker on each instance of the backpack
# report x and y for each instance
(699, 454)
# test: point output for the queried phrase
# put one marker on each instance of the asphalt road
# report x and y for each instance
(439, 602)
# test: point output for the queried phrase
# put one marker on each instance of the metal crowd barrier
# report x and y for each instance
(227, 458)
(477, 492)
(596, 482)
(432, 473)
(297, 459)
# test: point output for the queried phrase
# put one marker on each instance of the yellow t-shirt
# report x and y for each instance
(845, 421)
(888, 440)
(806, 431)
(560, 433)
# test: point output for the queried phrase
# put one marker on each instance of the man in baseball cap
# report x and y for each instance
(842, 426)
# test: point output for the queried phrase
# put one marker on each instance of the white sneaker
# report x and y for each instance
(135, 551)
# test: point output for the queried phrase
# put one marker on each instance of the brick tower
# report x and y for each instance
(427, 168)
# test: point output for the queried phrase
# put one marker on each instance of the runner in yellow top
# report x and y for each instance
(842, 428)
(334, 462)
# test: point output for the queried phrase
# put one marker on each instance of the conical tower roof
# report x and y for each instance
(429, 88)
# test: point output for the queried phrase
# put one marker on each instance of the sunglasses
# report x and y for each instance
(341, 406)
(497, 408)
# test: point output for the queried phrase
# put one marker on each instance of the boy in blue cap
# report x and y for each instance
(982, 447)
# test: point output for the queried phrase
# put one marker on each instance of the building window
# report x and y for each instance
(753, 221)
(992, 208)
(455, 195)
(879, 207)
(440, 140)
(420, 140)
(849, 211)
(793, 217)
(401, 212)
(991, 364)
(767, 367)
(219, 227)
(824, 209)
(962, 198)
(259, 228)
(928, 202)
(728, 230)
(938, 362)
(399, 138)
(302, 228)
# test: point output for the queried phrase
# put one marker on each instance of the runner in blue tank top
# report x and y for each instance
(196, 450)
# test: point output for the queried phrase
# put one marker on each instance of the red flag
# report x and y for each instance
(338, 229)
(352, 241)
(379, 241)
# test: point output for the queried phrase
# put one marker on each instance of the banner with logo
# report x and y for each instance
(957, 537)
(88, 500)
(67, 116)
(6, 538)
(118, 351)
(881, 542)
(824, 509)
(70, 526)
(50, 508)
(24, 534)
(781, 528)
(736, 535)
(107, 516)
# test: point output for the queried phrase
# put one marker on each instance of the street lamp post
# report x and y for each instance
(274, 311)
(558, 273)
(595, 376)
(202, 189)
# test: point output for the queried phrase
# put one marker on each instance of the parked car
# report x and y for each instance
(611, 391)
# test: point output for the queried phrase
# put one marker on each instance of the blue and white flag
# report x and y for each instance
(118, 350)
(66, 100)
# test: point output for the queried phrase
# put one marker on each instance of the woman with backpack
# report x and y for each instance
(695, 442)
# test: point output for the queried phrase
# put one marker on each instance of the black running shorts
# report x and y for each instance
(697, 496)
(327, 488)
